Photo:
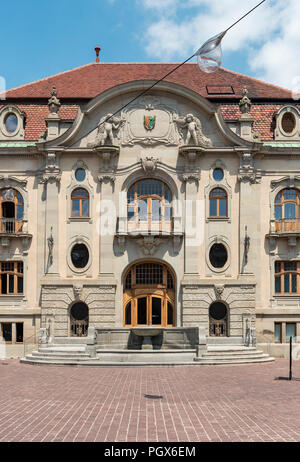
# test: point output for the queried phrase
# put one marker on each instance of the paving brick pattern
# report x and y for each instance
(169, 404)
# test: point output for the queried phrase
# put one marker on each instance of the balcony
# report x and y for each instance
(287, 226)
(10, 226)
(146, 224)
(149, 231)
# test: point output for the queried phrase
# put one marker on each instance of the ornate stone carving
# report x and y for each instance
(149, 244)
(247, 172)
(193, 128)
(137, 129)
(191, 176)
(52, 172)
(219, 289)
(245, 103)
(107, 131)
(107, 177)
(149, 165)
(78, 290)
(54, 102)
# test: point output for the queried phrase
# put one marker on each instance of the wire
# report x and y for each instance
(167, 75)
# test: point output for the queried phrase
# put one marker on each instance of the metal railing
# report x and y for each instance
(10, 225)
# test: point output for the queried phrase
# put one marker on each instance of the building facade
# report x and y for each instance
(178, 209)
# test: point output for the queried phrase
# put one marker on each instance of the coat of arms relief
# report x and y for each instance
(150, 122)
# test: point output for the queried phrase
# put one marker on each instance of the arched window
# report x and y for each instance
(149, 205)
(80, 203)
(218, 206)
(287, 204)
(11, 210)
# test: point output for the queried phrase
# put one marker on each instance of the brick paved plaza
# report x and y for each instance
(222, 403)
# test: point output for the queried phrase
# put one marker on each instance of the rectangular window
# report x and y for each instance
(7, 332)
(19, 332)
(11, 278)
(278, 332)
(290, 331)
(287, 277)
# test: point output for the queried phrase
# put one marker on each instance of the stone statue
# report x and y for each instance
(106, 127)
(193, 128)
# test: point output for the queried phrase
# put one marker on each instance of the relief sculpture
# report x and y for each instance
(190, 129)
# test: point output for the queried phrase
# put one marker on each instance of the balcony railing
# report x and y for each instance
(287, 226)
(149, 224)
(10, 226)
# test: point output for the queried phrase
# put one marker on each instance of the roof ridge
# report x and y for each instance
(48, 77)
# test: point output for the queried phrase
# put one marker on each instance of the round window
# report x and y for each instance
(218, 174)
(218, 311)
(80, 256)
(218, 255)
(80, 311)
(80, 174)
(288, 122)
(11, 123)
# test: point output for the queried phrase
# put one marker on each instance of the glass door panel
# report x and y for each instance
(142, 311)
(156, 311)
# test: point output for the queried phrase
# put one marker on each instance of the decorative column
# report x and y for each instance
(51, 180)
(192, 227)
(108, 214)
(250, 235)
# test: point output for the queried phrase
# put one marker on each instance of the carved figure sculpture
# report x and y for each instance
(193, 128)
(106, 128)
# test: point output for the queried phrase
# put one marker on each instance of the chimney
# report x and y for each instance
(97, 50)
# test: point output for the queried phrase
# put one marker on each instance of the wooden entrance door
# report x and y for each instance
(149, 296)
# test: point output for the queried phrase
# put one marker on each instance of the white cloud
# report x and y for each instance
(270, 36)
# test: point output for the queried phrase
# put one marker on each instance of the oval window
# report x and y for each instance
(218, 174)
(80, 255)
(288, 122)
(218, 255)
(11, 123)
(80, 174)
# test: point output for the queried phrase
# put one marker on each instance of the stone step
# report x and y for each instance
(70, 350)
(69, 340)
(233, 353)
(60, 355)
(215, 362)
(97, 363)
(233, 357)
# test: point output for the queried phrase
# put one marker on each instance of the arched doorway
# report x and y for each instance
(218, 320)
(149, 295)
(79, 320)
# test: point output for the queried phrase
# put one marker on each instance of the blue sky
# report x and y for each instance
(41, 38)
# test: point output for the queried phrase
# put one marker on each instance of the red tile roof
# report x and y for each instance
(88, 81)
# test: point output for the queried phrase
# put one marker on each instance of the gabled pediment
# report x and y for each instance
(168, 115)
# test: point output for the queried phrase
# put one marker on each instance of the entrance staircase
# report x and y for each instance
(73, 352)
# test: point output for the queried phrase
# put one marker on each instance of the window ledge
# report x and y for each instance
(80, 219)
(208, 219)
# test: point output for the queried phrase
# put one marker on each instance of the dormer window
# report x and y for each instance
(287, 124)
(12, 123)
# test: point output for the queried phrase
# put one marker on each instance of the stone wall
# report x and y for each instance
(238, 296)
(57, 300)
